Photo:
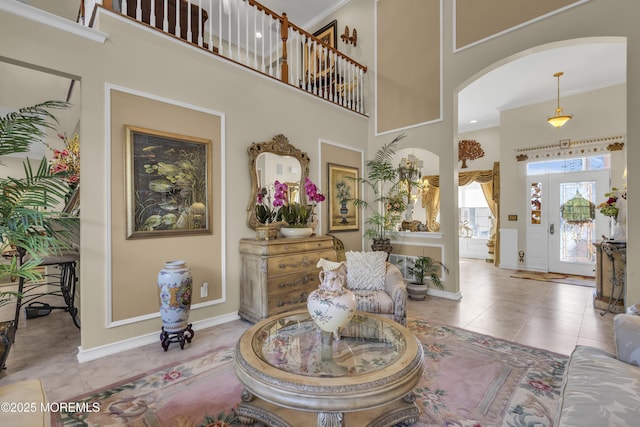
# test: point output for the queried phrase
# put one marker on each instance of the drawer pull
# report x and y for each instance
(304, 263)
(303, 280)
(301, 298)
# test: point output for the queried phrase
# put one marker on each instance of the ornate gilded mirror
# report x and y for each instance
(276, 160)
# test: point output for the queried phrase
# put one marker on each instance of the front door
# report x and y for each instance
(565, 244)
(571, 249)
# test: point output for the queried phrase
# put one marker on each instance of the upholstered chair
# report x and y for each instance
(378, 285)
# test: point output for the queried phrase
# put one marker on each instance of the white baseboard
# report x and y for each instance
(128, 344)
(456, 296)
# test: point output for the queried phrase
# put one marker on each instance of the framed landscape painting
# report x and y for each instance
(168, 184)
(343, 188)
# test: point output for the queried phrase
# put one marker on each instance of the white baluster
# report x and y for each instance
(278, 42)
(246, 36)
(255, 39)
(177, 28)
(199, 25)
(152, 14)
(309, 65)
(315, 66)
(165, 21)
(263, 40)
(123, 7)
(210, 26)
(189, 34)
(332, 74)
(220, 46)
(270, 53)
(238, 31)
(229, 39)
(325, 71)
(138, 10)
(361, 91)
(297, 51)
(350, 87)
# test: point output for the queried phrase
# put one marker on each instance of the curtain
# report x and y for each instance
(487, 190)
(489, 182)
(431, 203)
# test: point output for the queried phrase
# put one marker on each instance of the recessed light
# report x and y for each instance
(473, 121)
(258, 35)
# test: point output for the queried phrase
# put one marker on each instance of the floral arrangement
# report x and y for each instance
(609, 207)
(279, 209)
(266, 209)
(66, 162)
(313, 194)
(396, 203)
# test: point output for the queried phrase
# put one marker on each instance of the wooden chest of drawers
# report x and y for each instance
(278, 275)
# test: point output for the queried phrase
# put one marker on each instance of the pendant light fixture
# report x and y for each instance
(559, 118)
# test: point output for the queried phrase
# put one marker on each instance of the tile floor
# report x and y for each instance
(540, 314)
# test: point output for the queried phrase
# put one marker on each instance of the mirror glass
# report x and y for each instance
(271, 167)
(276, 160)
(425, 163)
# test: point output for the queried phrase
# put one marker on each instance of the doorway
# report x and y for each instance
(563, 223)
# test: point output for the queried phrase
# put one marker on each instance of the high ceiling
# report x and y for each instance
(523, 81)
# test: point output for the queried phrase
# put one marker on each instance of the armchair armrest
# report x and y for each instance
(626, 329)
(394, 285)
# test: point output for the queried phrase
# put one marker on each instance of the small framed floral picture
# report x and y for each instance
(168, 184)
(342, 189)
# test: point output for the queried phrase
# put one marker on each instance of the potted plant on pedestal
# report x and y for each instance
(382, 180)
(424, 267)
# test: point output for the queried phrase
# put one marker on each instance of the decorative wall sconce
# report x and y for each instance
(353, 39)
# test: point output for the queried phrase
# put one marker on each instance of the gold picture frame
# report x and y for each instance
(342, 190)
(318, 65)
(168, 184)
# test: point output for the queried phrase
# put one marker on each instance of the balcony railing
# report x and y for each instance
(246, 32)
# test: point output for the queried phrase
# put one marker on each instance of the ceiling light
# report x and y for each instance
(473, 121)
(559, 119)
(258, 35)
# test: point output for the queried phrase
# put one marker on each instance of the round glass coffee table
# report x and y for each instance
(294, 374)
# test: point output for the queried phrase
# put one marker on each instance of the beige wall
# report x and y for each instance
(521, 128)
(408, 63)
(134, 289)
(341, 156)
(476, 20)
(592, 18)
(255, 109)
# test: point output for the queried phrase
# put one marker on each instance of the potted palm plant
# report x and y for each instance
(383, 181)
(29, 223)
(29, 227)
(424, 267)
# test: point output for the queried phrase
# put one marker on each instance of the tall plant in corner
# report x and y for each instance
(382, 180)
(29, 224)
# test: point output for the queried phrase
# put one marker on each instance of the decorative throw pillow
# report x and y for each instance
(366, 270)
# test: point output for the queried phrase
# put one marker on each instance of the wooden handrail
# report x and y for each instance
(338, 80)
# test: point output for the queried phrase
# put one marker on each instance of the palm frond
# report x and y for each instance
(19, 129)
(387, 151)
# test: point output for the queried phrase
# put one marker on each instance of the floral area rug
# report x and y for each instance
(469, 380)
(570, 279)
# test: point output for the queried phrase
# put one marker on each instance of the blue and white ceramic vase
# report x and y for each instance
(175, 286)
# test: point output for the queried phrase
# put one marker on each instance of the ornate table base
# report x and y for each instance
(253, 409)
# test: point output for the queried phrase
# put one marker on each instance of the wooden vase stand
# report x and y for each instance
(181, 336)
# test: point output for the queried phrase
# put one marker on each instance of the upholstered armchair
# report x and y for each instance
(378, 285)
